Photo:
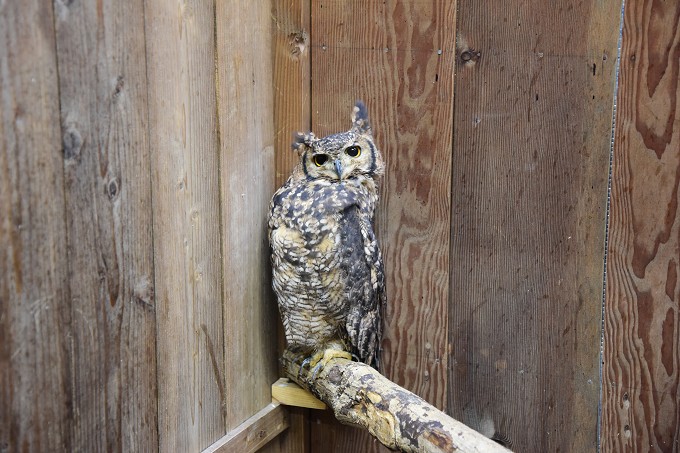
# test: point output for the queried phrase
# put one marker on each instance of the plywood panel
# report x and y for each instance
(533, 112)
(35, 374)
(247, 166)
(399, 58)
(102, 86)
(641, 372)
(186, 222)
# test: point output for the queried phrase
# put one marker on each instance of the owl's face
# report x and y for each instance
(344, 155)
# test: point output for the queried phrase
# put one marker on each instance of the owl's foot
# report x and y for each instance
(321, 359)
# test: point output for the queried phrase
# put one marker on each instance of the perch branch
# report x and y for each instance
(360, 396)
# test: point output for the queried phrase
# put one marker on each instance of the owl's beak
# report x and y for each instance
(338, 168)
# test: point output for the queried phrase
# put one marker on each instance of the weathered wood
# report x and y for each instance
(192, 394)
(399, 419)
(399, 58)
(102, 86)
(255, 432)
(291, 394)
(296, 437)
(247, 165)
(292, 80)
(641, 371)
(35, 373)
(532, 131)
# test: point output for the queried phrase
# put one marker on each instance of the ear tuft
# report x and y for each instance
(360, 123)
(302, 140)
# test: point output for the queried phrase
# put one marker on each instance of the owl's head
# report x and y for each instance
(344, 155)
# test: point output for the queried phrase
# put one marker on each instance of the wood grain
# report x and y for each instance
(255, 432)
(192, 393)
(292, 80)
(399, 58)
(35, 373)
(533, 114)
(297, 437)
(641, 372)
(247, 166)
(102, 86)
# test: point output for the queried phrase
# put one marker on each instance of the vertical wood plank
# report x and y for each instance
(102, 85)
(186, 222)
(35, 392)
(533, 112)
(296, 437)
(399, 58)
(247, 165)
(641, 371)
(292, 80)
(326, 434)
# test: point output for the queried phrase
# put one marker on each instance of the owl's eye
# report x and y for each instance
(353, 151)
(320, 159)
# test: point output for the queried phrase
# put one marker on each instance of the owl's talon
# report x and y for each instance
(316, 370)
(302, 366)
(326, 356)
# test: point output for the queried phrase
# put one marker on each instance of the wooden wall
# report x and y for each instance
(494, 202)
(140, 142)
(136, 166)
(494, 207)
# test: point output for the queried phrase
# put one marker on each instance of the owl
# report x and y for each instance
(327, 270)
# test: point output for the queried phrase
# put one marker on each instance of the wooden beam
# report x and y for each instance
(289, 393)
(255, 432)
(362, 397)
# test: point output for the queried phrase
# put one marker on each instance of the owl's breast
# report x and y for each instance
(319, 267)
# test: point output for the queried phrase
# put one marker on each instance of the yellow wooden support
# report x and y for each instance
(291, 394)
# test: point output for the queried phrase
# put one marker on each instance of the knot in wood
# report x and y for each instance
(72, 142)
(335, 376)
(112, 189)
(470, 55)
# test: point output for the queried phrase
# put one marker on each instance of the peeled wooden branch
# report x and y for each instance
(400, 420)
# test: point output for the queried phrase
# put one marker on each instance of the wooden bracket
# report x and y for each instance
(289, 393)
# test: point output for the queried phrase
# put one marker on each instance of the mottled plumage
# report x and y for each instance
(327, 268)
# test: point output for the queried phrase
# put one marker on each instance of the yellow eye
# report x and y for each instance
(353, 151)
(320, 159)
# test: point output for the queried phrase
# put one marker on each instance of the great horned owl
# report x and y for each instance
(327, 268)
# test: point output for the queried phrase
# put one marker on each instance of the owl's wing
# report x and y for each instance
(365, 285)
